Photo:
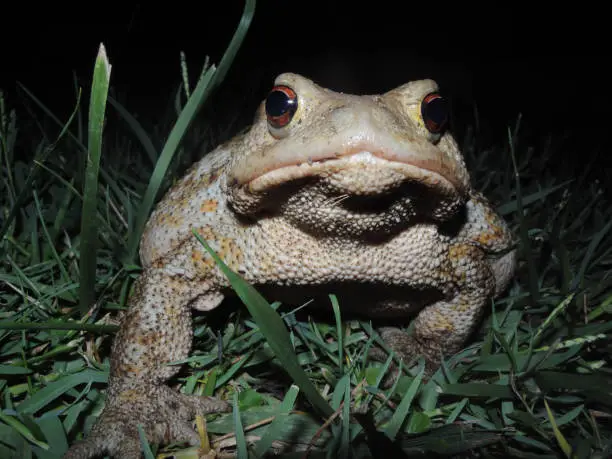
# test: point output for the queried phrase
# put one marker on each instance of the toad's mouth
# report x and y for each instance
(357, 195)
(357, 171)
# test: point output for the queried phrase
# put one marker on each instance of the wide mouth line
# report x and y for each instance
(280, 156)
(358, 156)
(322, 158)
(426, 169)
(371, 155)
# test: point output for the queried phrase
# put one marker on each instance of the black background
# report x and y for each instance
(550, 65)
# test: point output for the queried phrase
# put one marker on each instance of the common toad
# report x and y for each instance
(367, 196)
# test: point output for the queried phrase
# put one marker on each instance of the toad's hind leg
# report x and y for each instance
(156, 330)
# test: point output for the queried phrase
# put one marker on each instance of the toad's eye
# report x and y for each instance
(434, 110)
(281, 104)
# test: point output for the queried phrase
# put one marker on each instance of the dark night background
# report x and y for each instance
(548, 65)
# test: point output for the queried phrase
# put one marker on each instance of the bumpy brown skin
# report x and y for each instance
(355, 196)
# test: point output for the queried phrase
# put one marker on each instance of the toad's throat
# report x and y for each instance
(361, 172)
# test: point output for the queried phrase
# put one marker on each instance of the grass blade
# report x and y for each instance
(339, 331)
(137, 129)
(563, 443)
(208, 82)
(53, 390)
(237, 39)
(37, 163)
(22, 429)
(241, 444)
(89, 226)
(274, 429)
(144, 443)
(273, 328)
(403, 410)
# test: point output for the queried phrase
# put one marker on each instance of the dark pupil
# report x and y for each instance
(437, 111)
(278, 103)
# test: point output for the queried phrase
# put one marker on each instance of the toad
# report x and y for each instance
(364, 196)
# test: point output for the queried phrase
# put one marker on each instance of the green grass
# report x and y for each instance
(534, 382)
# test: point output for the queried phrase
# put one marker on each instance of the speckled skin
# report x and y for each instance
(354, 195)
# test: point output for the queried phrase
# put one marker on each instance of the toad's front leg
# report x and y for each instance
(442, 328)
(156, 330)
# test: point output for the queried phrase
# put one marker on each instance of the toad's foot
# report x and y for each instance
(165, 416)
(408, 349)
